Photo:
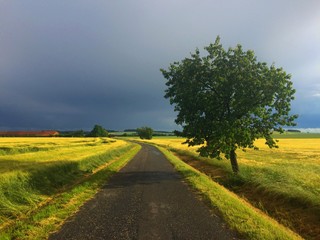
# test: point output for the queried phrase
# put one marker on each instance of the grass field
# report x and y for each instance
(287, 178)
(33, 171)
(44, 180)
(239, 214)
(292, 169)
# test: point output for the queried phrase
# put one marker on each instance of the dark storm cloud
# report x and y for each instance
(71, 64)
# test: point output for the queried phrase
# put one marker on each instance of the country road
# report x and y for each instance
(148, 200)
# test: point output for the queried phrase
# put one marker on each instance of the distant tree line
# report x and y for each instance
(294, 130)
(77, 133)
(97, 131)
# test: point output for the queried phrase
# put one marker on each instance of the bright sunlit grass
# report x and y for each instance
(249, 221)
(34, 169)
(292, 170)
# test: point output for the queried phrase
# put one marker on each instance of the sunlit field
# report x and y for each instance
(33, 153)
(283, 181)
(292, 170)
(239, 214)
(32, 170)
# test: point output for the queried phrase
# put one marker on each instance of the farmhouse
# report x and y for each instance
(45, 133)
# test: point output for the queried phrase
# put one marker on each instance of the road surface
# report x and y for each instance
(148, 200)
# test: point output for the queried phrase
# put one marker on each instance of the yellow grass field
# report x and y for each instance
(19, 153)
(284, 180)
(292, 169)
(33, 170)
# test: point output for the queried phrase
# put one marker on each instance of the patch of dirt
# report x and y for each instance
(289, 212)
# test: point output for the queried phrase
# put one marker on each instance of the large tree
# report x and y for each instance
(227, 99)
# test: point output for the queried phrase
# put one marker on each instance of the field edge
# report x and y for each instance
(239, 214)
(50, 217)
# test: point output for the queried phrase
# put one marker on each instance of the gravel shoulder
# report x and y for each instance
(147, 199)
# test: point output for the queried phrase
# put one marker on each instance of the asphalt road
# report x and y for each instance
(147, 199)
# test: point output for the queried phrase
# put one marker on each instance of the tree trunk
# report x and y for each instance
(234, 162)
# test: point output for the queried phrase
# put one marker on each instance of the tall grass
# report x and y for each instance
(35, 169)
(248, 221)
(283, 182)
(292, 170)
(49, 217)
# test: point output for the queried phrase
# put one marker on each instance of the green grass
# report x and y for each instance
(295, 135)
(291, 176)
(31, 179)
(283, 182)
(248, 221)
(47, 219)
(291, 171)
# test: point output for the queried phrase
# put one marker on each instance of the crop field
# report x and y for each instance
(292, 169)
(295, 164)
(286, 178)
(41, 176)
(34, 170)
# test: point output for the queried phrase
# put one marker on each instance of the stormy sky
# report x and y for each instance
(70, 64)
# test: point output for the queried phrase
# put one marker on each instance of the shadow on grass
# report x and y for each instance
(42, 178)
(297, 213)
(49, 179)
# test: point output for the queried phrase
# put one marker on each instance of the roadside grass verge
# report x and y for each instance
(248, 221)
(291, 171)
(37, 196)
(284, 183)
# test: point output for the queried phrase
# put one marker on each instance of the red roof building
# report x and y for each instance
(45, 133)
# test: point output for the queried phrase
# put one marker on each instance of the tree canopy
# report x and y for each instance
(98, 131)
(145, 132)
(227, 99)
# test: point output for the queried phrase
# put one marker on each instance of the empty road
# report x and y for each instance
(148, 200)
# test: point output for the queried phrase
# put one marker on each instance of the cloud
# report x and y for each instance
(309, 130)
(70, 64)
(315, 92)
